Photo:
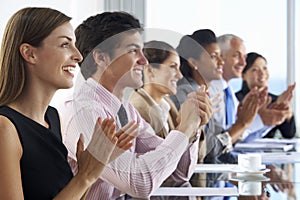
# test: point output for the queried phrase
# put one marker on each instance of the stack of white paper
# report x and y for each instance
(195, 191)
(263, 146)
(216, 168)
(281, 157)
(278, 141)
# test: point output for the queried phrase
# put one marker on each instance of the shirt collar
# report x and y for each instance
(224, 84)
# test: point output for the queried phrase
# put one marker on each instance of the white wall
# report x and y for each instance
(78, 10)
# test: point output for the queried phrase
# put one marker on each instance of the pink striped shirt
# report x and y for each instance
(138, 171)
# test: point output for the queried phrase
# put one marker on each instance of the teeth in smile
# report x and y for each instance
(69, 69)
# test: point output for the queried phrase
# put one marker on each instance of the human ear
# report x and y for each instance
(193, 63)
(101, 59)
(149, 70)
(148, 74)
(27, 53)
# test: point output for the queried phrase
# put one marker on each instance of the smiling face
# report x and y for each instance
(257, 74)
(210, 63)
(234, 59)
(165, 77)
(125, 69)
(56, 58)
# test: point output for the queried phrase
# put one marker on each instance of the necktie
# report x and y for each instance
(122, 115)
(229, 106)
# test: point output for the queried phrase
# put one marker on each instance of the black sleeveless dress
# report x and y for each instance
(44, 166)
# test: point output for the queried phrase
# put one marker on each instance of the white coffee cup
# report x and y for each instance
(249, 188)
(250, 161)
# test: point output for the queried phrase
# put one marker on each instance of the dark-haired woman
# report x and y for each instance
(160, 80)
(256, 74)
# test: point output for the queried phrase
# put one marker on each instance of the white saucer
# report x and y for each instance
(262, 170)
(249, 178)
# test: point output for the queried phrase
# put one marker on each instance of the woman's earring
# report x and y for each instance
(195, 68)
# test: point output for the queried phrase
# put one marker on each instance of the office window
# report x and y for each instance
(262, 25)
(297, 61)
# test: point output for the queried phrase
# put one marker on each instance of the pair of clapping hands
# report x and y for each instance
(196, 111)
(279, 111)
(105, 146)
(258, 101)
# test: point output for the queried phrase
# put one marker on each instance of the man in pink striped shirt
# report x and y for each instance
(111, 44)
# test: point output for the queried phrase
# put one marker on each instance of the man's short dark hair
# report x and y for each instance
(98, 29)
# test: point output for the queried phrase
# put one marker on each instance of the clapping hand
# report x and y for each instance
(203, 104)
(106, 145)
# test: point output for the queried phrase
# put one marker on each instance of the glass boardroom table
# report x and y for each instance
(279, 177)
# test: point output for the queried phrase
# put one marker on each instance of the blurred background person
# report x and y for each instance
(201, 63)
(256, 74)
(242, 125)
(160, 79)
